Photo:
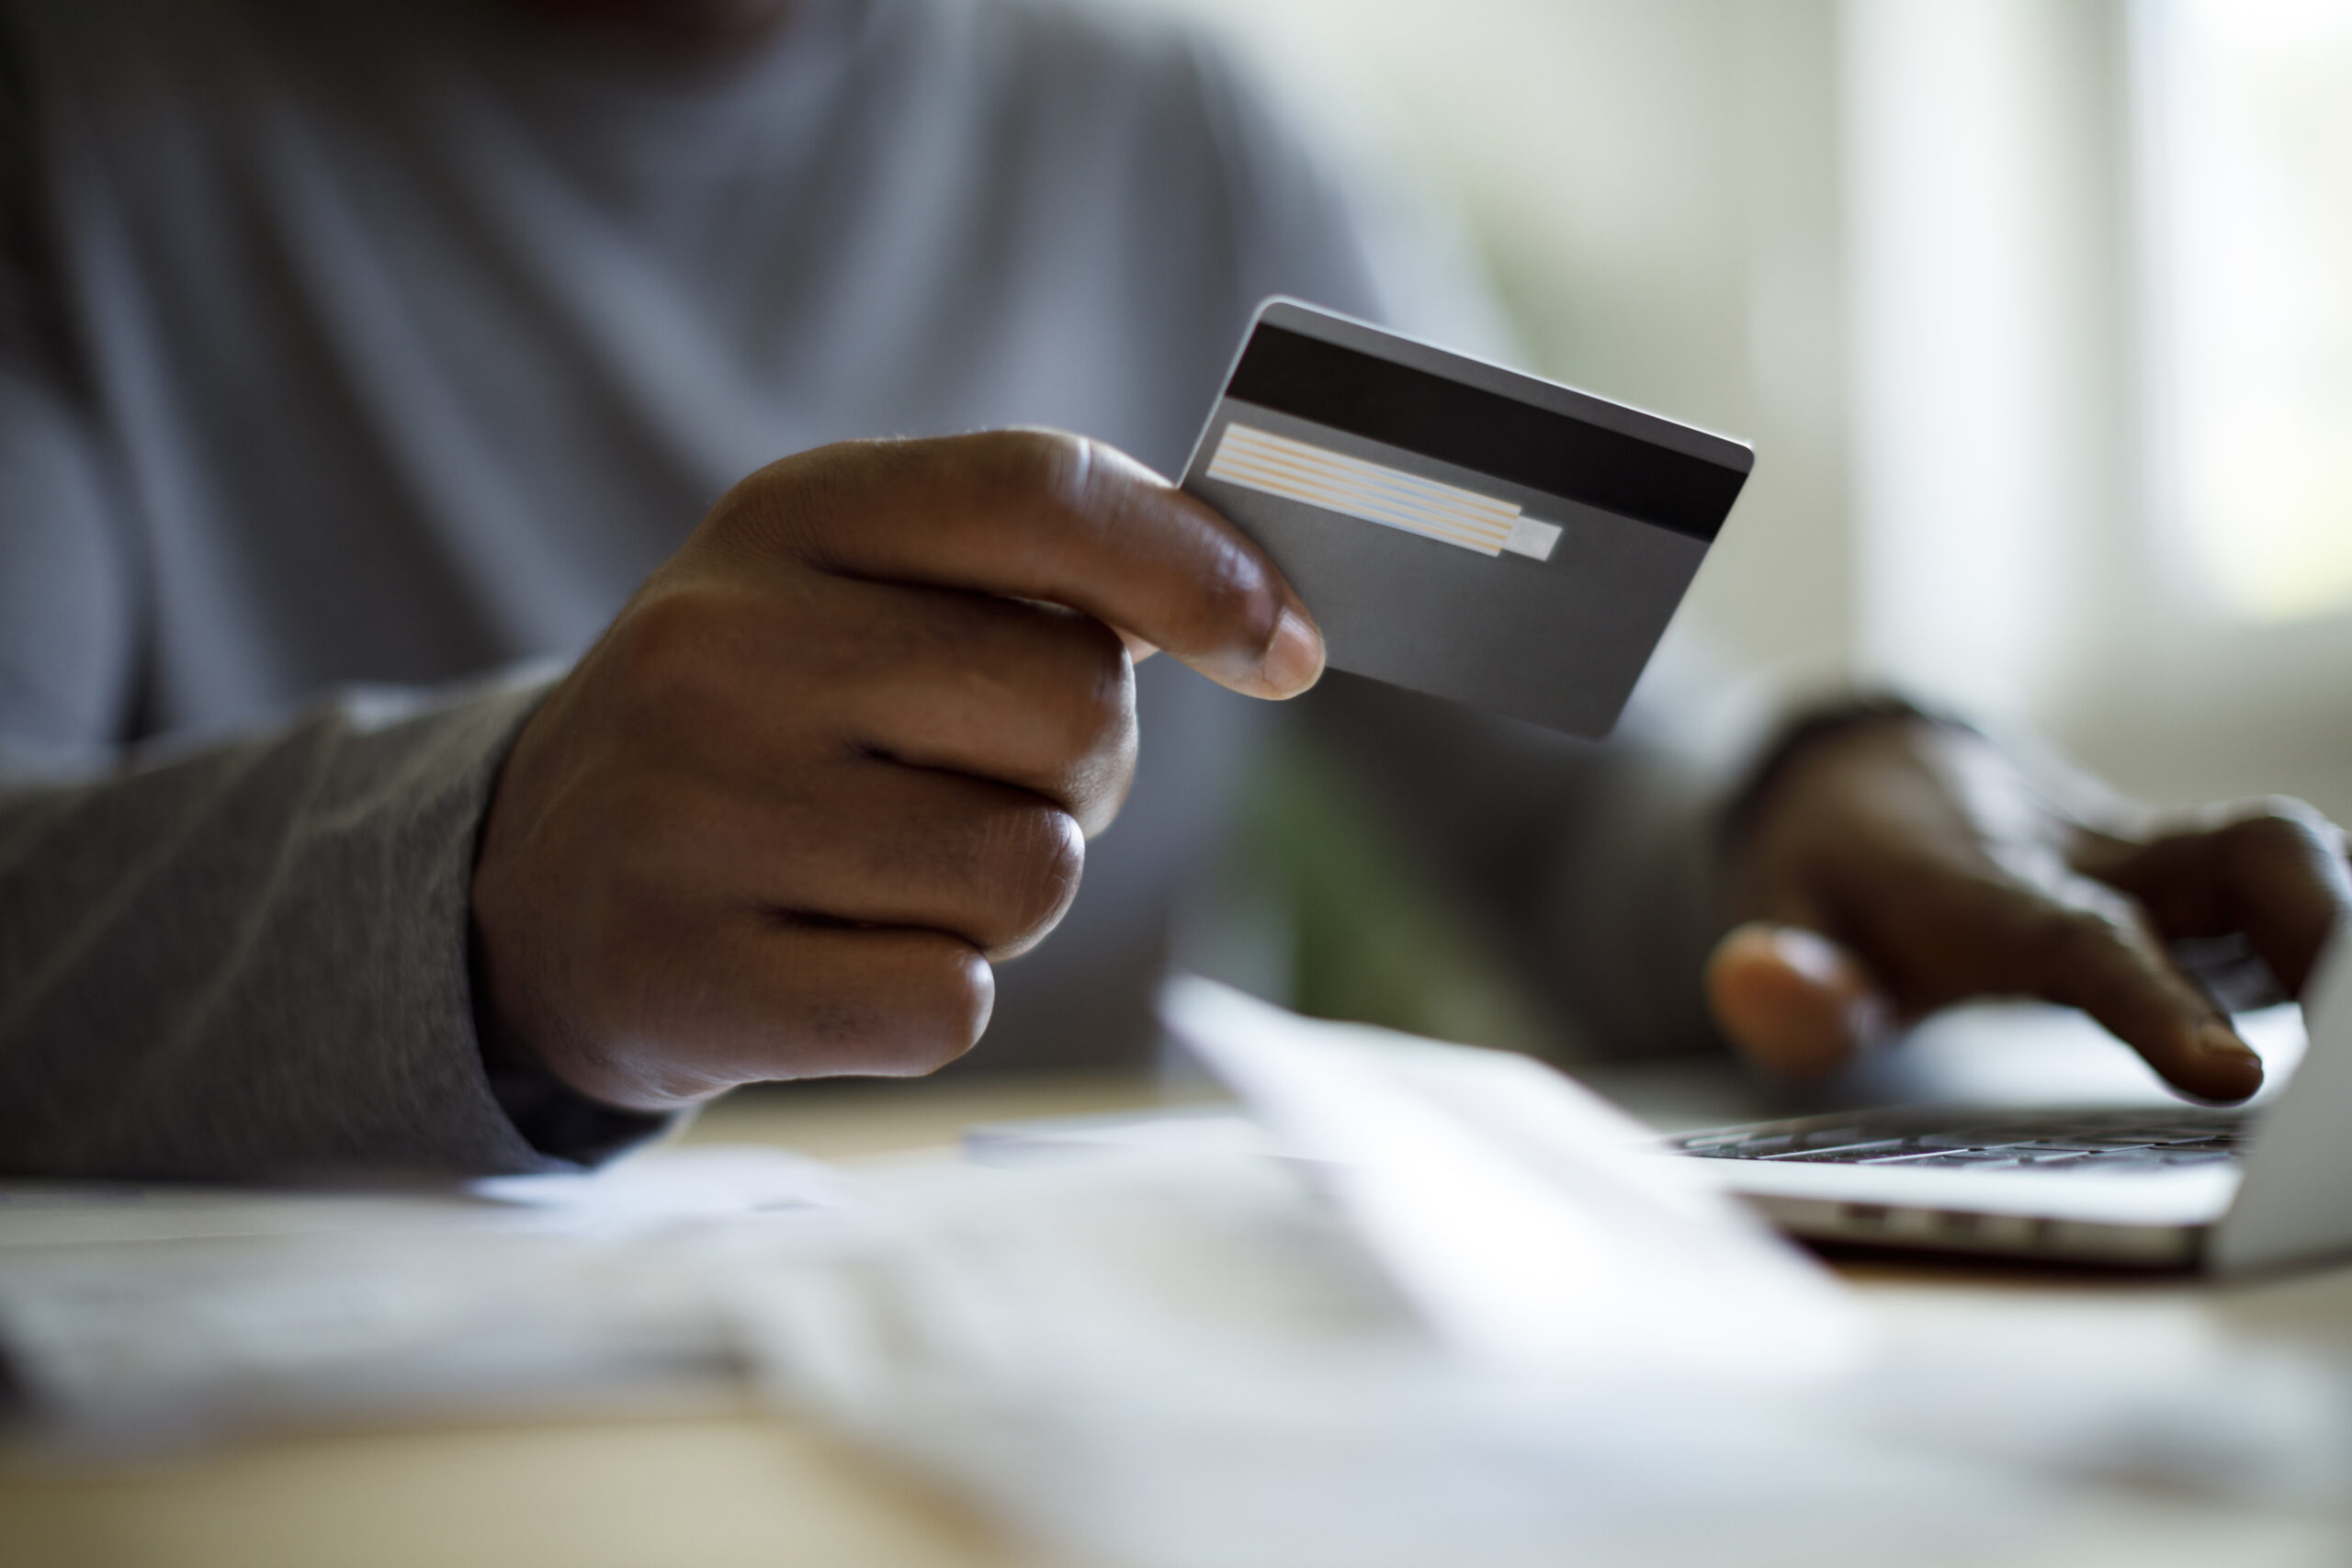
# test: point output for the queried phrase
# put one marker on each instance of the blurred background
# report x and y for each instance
(2039, 313)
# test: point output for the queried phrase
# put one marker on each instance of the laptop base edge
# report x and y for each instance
(1962, 1232)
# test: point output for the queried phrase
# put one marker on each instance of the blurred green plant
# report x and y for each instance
(1368, 934)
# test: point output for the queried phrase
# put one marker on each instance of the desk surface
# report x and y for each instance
(725, 1484)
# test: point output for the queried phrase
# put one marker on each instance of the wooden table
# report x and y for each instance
(722, 1483)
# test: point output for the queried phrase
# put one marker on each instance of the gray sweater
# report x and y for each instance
(354, 356)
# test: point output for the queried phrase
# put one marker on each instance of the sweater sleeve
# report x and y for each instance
(251, 960)
(247, 959)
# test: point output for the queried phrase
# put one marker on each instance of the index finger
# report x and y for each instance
(1050, 516)
(2095, 950)
(2276, 874)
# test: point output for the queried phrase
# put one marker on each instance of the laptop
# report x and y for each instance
(2151, 1187)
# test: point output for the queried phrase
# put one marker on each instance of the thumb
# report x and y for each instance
(1794, 1003)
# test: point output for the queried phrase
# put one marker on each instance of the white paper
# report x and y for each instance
(145, 1316)
(1176, 1352)
(1199, 1353)
(1512, 1208)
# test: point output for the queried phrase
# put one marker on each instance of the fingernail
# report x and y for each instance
(1814, 956)
(1867, 1017)
(2236, 1072)
(1294, 659)
(2218, 1039)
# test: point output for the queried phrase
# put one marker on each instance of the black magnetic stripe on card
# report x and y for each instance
(1473, 428)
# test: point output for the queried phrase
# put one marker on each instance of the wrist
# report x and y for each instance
(1811, 731)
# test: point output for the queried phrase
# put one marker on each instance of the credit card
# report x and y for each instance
(1458, 528)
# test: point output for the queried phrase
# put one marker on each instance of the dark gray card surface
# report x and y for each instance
(1459, 528)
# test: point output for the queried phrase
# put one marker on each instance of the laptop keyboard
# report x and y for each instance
(2104, 1141)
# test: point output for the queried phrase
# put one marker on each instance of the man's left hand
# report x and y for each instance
(1896, 865)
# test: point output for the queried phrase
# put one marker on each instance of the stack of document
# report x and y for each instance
(1426, 1304)
(138, 1317)
(1459, 1316)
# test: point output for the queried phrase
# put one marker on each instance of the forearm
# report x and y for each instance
(252, 959)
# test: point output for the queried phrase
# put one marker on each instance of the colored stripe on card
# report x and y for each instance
(1297, 470)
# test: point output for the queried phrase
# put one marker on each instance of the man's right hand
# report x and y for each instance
(840, 753)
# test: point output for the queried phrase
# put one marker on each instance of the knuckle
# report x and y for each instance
(1097, 705)
(619, 996)
(963, 992)
(1039, 856)
(2075, 939)
(1026, 465)
(939, 1013)
(2284, 826)
(1054, 463)
(744, 506)
(1236, 593)
(2100, 959)
(789, 506)
(661, 651)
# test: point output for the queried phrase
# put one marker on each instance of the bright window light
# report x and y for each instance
(2246, 132)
